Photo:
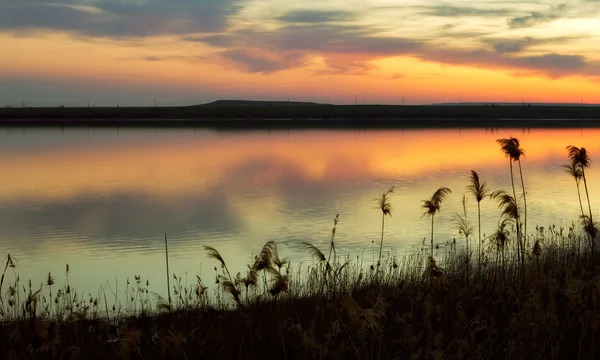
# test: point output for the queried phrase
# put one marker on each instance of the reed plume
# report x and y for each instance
(433, 205)
(385, 206)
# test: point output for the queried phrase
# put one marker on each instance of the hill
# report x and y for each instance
(251, 103)
(262, 115)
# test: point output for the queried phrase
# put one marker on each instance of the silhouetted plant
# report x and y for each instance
(386, 209)
(479, 191)
(574, 170)
(9, 262)
(510, 210)
(464, 228)
(332, 245)
(500, 238)
(320, 257)
(510, 148)
(168, 275)
(433, 205)
(591, 228)
(580, 160)
(516, 155)
(425, 310)
(506, 203)
(50, 282)
(227, 283)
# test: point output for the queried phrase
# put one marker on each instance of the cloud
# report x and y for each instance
(120, 19)
(345, 47)
(537, 17)
(311, 17)
(397, 76)
(458, 11)
(335, 37)
(224, 40)
(324, 38)
(510, 45)
(350, 49)
(256, 63)
(555, 64)
(345, 65)
(516, 45)
(155, 58)
(551, 65)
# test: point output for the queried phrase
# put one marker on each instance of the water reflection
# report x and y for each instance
(119, 215)
(97, 197)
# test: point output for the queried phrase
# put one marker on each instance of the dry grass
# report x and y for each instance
(412, 308)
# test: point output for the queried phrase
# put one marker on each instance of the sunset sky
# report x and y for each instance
(131, 52)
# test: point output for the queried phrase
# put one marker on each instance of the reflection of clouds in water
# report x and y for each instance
(129, 215)
(298, 190)
(305, 205)
(45, 140)
(305, 209)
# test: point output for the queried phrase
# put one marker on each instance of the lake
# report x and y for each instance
(101, 199)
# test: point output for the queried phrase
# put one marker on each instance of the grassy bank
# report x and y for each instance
(306, 116)
(404, 309)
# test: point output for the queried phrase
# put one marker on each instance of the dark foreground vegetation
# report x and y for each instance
(516, 293)
(305, 116)
(406, 309)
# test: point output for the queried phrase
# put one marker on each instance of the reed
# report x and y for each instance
(414, 306)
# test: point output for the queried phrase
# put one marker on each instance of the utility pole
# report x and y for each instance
(403, 101)
(355, 100)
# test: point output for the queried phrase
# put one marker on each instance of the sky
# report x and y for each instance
(183, 52)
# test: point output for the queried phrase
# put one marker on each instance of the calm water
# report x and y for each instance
(102, 199)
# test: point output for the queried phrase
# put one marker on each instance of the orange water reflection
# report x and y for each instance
(193, 166)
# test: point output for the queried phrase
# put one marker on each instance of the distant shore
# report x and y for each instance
(321, 116)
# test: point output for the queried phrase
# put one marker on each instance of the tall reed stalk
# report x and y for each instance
(168, 277)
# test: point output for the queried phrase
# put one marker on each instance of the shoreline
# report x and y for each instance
(330, 116)
(247, 124)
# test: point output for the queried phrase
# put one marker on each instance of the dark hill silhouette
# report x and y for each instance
(266, 114)
(251, 103)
